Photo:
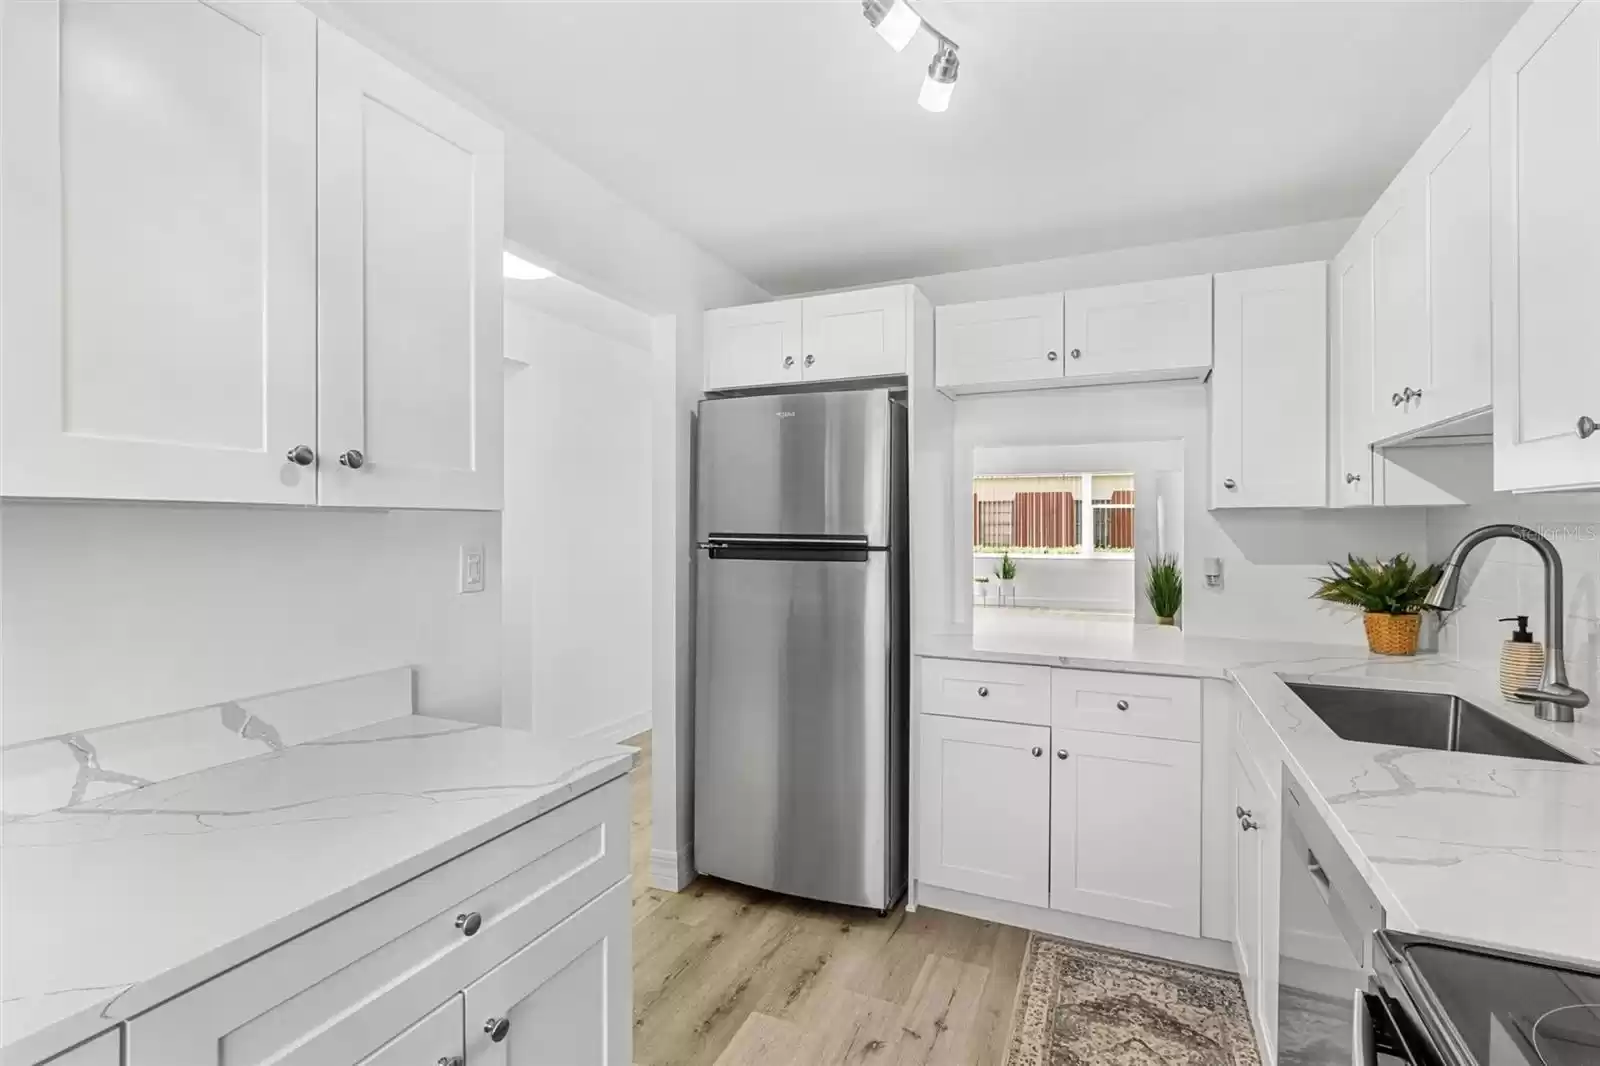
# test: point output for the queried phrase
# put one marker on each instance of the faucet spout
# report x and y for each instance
(1555, 699)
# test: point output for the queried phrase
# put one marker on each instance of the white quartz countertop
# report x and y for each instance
(1499, 852)
(1047, 638)
(114, 905)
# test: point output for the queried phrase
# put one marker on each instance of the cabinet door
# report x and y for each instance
(159, 192)
(985, 812)
(1125, 829)
(103, 1050)
(996, 341)
(1350, 323)
(756, 345)
(437, 1038)
(1269, 388)
(566, 998)
(1247, 872)
(1451, 371)
(862, 334)
(409, 233)
(1397, 235)
(1151, 330)
(1546, 352)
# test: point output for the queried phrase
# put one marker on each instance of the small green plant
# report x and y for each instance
(1379, 587)
(1163, 586)
(1007, 570)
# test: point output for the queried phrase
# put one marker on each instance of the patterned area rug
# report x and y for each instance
(1084, 1006)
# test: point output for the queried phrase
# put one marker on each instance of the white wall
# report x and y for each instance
(115, 611)
(1269, 557)
(576, 658)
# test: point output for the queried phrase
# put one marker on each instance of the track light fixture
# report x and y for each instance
(897, 22)
(894, 20)
(941, 79)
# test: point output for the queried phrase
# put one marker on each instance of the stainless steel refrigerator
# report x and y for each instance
(801, 656)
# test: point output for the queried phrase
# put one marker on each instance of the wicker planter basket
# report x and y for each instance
(1393, 634)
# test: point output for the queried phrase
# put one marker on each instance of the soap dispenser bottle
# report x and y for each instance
(1521, 660)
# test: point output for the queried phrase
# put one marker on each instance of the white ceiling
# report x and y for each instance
(785, 137)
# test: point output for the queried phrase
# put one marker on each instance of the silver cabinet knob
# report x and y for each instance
(497, 1028)
(469, 923)
(1247, 824)
(1229, 483)
(353, 459)
(1037, 751)
(810, 359)
(1398, 399)
(1586, 427)
(983, 690)
(1351, 479)
(788, 361)
(1061, 753)
(302, 455)
(1052, 356)
(1241, 813)
(1122, 705)
(452, 1060)
(1076, 354)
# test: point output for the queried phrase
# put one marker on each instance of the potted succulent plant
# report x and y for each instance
(1163, 587)
(1392, 595)
(1007, 573)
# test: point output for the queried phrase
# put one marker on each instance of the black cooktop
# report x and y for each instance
(1512, 1011)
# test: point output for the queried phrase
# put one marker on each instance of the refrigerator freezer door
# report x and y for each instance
(792, 726)
(803, 463)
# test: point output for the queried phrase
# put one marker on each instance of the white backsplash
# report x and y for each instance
(1505, 577)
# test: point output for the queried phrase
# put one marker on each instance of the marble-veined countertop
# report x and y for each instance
(111, 906)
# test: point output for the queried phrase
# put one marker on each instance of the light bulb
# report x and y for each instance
(519, 269)
(935, 95)
(941, 79)
(896, 25)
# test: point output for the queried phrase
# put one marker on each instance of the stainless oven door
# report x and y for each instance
(1327, 918)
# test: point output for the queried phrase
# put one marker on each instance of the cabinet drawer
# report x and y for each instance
(338, 991)
(995, 692)
(1137, 705)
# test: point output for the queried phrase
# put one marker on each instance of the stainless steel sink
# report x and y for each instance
(1421, 720)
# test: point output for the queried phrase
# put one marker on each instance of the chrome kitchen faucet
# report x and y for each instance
(1555, 699)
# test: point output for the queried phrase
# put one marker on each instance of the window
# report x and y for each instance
(1053, 514)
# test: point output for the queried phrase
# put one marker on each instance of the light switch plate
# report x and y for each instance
(472, 568)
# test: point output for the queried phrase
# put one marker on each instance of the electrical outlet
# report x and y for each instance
(472, 568)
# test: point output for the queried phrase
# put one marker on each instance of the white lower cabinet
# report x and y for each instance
(437, 1038)
(1125, 829)
(533, 926)
(985, 808)
(1255, 894)
(566, 998)
(103, 1050)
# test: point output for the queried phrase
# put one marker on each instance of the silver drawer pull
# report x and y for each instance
(1586, 427)
(469, 923)
(983, 690)
(1122, 705)
(1248, 824)
(497, 1028)
(1061, 753)
(1037, 751)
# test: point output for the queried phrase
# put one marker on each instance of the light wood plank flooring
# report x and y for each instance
(725, 975)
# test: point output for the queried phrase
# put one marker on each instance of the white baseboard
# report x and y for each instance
(671, 871)
(1195, 951)
(622, 729)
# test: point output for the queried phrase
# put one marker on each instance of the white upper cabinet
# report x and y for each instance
(1147, 331)
(410, 217)
(246, 261)
(1269, 392)
(1350, 377)
(159, 192)
(995, 341)
(1546, 103)
(861, 334)
(1424, 251)
(755, 345)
